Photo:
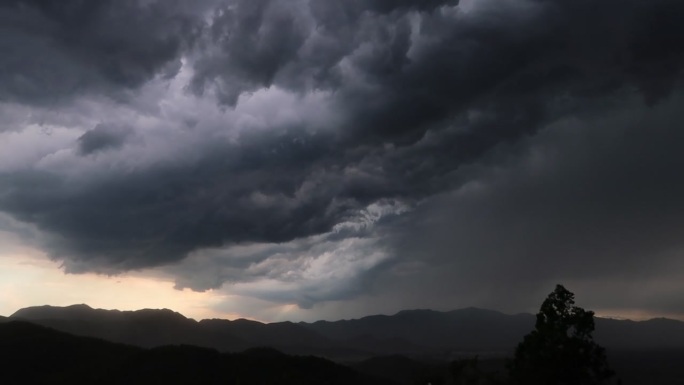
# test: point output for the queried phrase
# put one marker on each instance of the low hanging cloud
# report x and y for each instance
(592, 201)
(336, 265)
(235, 141)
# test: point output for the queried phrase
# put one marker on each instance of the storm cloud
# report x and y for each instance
(317, 151)
(55, 51)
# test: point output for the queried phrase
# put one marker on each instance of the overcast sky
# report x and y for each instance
(308, 159)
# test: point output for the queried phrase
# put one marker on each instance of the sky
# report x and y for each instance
(328, 159)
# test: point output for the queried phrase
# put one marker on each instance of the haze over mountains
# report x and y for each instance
(418, 333)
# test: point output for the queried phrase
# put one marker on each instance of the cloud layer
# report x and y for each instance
(325, 150)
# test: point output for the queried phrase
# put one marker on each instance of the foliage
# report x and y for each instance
(561, 349)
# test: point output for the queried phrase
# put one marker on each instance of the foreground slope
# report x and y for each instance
(33, 354)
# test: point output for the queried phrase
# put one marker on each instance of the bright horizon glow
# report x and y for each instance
(28, 278)
(31, 280)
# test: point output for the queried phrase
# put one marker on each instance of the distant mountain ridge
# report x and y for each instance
(471, 329)
(151, 328)
(410, 332)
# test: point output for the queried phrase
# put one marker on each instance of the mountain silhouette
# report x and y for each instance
(152, 328)
(471, 329)
(288, 336)
(418, 333)
(144, 328)
(657, 333)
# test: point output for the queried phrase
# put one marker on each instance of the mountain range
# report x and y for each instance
(413, 333)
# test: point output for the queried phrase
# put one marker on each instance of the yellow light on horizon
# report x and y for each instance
(29, 278)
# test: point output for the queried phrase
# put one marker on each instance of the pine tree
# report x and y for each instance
(561, 349)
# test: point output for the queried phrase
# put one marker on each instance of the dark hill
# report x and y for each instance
(280, 334)
(152, 328)
(32, 354)
(145, 328)
(657, 333)
(402, 370)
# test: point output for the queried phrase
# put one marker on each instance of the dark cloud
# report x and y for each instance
(153, 216)
(591, 201)
(500, 126)
(102, 137)
(254, 44)
(250, 41)
(56, 50)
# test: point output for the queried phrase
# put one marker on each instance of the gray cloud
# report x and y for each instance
(60, 50)
(336, 265)
(506, 131)
(142, 218)
(400, 73)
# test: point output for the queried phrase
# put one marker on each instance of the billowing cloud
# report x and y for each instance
(55, 51)
(319, 150)
(336, 265)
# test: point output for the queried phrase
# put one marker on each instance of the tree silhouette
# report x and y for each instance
(561, 349)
